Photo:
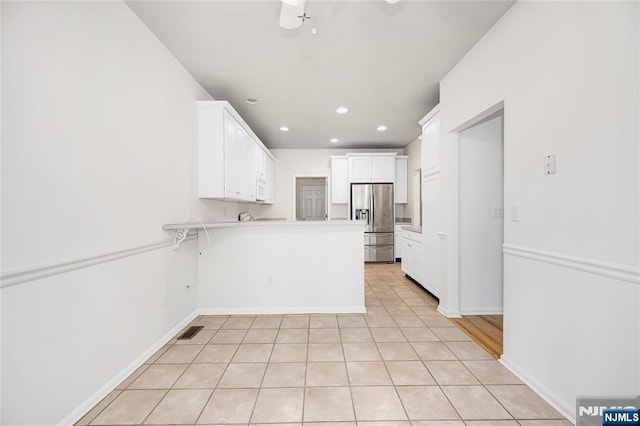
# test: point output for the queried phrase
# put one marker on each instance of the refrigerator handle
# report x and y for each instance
(372, 210)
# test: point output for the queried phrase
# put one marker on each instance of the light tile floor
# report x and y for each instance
(400, 364)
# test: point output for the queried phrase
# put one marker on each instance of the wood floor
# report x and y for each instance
(486, 330)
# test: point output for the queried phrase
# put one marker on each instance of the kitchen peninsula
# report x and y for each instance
(277, 267)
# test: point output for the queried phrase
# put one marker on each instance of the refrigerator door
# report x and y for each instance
(362, 205)
(382, 218)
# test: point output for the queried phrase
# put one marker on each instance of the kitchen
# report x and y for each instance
(99, 151)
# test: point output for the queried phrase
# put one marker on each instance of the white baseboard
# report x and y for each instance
(287, 310)
(551, 398)
(99, 395)
(482, 311)
(448, 314)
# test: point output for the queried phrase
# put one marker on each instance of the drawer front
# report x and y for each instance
(373, 239)
(378, 254)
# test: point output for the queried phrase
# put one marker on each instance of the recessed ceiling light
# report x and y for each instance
(284, 128)
(382, 128)
(342, 110)
(334, 140)
(251, 101)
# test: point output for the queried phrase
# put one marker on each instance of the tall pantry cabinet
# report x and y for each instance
(430, 200)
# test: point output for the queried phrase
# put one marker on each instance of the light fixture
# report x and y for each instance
(251, 101)
(284, 128)
(314, 30)
(381, 128)
(334, 140)
(342, 110)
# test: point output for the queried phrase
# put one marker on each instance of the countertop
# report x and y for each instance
(261, 222)
(416, 229)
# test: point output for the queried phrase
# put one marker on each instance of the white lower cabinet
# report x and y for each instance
(412, 255)
(397, 242)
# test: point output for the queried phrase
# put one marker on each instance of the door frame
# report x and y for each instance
(294, 197)
(451, 297)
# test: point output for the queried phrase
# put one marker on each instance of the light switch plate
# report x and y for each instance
(515, 213)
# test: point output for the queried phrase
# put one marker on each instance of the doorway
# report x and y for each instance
(475, 287)
(481, 217)
(310, 198)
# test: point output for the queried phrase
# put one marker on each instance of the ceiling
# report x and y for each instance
(382, 61)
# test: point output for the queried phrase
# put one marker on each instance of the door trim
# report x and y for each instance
(449, 302)
(327, 195)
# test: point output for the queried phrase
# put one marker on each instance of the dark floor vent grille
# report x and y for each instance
(190, 332)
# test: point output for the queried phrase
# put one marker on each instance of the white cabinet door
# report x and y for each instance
(339, 180)
(430, 147)
(430, 200)
(232, 157)
(261, 165)
(400, 184)
(360, 169)
(383, 168)
(405, 265)
(397, 243)
(247, 166)
(269, 180)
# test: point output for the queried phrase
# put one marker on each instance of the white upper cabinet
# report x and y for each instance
(400, 183)
(339, 179)
(431, 142)
(231, 159)
(270, 178)
(374, 167)
(384, 168)
(360, 169)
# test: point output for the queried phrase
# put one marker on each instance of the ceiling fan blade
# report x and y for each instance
(290, 12)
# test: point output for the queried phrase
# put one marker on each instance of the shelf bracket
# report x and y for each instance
(178, 237)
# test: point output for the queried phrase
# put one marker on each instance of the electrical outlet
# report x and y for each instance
(550, 164)
(270, 281)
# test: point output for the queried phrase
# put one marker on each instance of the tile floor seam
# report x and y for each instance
(217, 383)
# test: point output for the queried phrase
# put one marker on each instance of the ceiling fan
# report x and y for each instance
(293, 15)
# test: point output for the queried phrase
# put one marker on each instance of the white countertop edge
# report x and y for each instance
(209, 225)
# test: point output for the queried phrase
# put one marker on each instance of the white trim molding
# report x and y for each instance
(284, 310)
(448, 314)
(550, 397)
(616, 271)
(12, 278)
(111, 385)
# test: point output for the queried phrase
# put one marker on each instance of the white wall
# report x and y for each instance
(303, 162)
(98, 150)
(480, 251)
(567, 73)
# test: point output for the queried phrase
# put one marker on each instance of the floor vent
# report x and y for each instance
(191, 331)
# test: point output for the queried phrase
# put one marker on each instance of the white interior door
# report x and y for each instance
(313, 202)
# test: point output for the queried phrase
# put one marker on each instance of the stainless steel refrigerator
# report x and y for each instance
(373, 202)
